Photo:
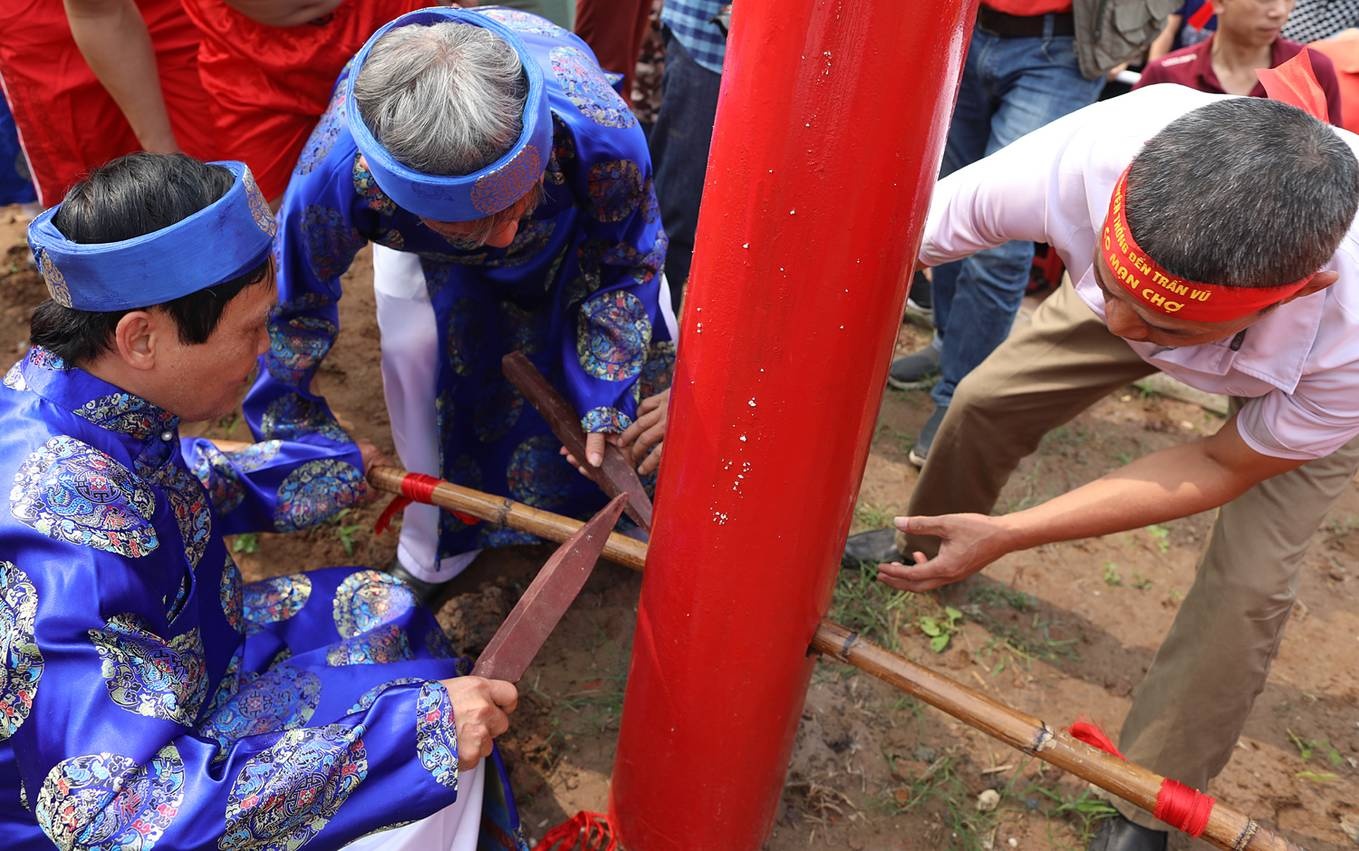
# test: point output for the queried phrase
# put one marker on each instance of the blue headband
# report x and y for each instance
(448, 198)
(226, 239)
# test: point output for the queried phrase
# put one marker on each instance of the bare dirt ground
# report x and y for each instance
(1059, 632)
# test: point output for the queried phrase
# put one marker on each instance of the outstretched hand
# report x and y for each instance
(967, 543)
(481, 711)
(643, 439)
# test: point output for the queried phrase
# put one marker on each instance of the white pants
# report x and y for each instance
(454, 828)
(410, 370)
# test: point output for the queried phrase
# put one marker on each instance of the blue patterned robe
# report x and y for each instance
(576, 291)
(147, 697)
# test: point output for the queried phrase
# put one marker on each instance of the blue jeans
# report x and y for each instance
(679, 152)
(1010, 87)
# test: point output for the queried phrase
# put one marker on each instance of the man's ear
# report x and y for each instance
(136, 336)
(1319, 282)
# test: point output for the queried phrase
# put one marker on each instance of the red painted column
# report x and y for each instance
(830, 126)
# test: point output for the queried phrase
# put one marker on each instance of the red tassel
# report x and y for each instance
(1182, 807)
(415, 487)
(584, 832)
(1092, 735)
(384, 520)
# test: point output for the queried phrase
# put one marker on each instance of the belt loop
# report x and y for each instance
(1049, 24)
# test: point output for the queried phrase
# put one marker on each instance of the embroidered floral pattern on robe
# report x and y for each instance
(148, 675)
(368, 599)
(108, 801)
(21, 662)
(71, 491)
(284, 795)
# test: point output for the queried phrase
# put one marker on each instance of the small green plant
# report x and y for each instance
(247, 543)
(1308, 747)
(941, 791)
(1111, 575)
(941, 630)
(871, 516)
(996, 594)
(1005, 653)
(345, 532)
(1161, 536)
(874, 610)
(1083, 809)
(1140, 582)
(1318, 776)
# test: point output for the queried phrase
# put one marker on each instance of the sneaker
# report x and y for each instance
(922, 443)
(915, 371)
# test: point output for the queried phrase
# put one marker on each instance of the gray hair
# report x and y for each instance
(443, 99)
(1244, 192)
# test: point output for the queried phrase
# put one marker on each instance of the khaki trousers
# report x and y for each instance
(1190, 708)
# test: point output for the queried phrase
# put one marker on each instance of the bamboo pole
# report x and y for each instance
(503, 511)
(1227, 828)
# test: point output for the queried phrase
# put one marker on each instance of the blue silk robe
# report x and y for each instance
(576, 291)
(148, 698)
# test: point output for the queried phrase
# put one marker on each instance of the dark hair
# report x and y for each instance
(1244, 192)
(131, 196)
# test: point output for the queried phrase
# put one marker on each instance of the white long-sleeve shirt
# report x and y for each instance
(1298, 366)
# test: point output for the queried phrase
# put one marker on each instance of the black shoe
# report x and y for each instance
(1119, 834)
(427, 594)
(916, 370)
(921, 449)
(875, 547)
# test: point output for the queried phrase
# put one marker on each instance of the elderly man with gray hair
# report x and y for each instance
(508, 191)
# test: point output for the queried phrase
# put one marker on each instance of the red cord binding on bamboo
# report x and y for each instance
(1182, 807)
(584, 832)
(415, 487)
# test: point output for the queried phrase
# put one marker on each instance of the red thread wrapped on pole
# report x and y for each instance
(1182, 807)
(415, 487)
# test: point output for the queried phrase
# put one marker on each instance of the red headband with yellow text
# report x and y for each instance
(1294, 82)
(1156, 289)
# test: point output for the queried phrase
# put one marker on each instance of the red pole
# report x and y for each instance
(829, 130)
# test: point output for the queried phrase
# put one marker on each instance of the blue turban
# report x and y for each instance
(460, 198)
(222, 241)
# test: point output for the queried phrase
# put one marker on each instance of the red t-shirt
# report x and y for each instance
(68, 123)
(1193, 67)
(1028, 7)
(270, 85)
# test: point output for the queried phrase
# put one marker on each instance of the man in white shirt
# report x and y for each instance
(1227, 256)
